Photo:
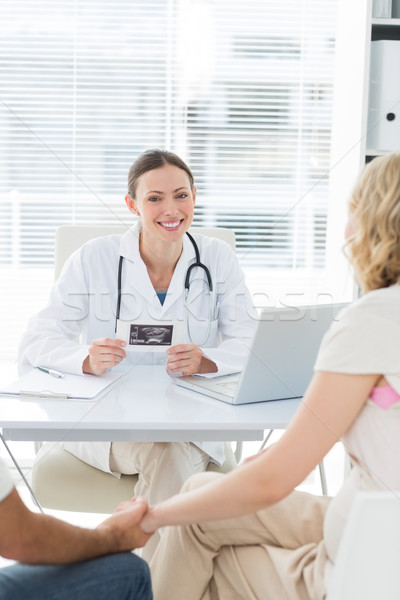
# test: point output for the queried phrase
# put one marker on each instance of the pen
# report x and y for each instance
(51, 372)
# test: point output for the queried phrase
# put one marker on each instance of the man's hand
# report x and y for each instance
(124, 524)
(188, 359)
(104, 353)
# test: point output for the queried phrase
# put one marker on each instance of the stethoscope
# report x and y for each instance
(196, 264)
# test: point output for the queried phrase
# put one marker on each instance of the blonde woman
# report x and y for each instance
(247, 534)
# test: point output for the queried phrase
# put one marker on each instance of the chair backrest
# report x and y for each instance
(70, 237)
(367, 562)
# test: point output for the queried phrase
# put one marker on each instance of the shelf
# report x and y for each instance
(369, 152)
(386, 22)
(385, 29)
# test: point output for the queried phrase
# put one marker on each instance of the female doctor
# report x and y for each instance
(153, 261)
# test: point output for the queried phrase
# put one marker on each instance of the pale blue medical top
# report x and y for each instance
(161, 296)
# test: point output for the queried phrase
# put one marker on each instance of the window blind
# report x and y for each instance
(241, 90)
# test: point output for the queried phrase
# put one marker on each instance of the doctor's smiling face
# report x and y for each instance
(164, 200)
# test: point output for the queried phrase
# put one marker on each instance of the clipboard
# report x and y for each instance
(36, 384)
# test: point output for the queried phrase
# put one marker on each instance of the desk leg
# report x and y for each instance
(270, 432)
(322, 477)
(32, 493)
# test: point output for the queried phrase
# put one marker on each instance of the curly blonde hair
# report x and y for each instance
(373, 248)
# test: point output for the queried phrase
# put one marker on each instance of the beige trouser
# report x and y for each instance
(275, 554)
(162, 469)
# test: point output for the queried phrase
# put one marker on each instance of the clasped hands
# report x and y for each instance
(130, 524)
(187, 359)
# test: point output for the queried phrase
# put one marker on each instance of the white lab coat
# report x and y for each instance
(82, 306)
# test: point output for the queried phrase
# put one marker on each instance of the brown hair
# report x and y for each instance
(374, 247)
(154, 159)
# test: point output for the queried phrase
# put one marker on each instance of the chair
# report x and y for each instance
(62, 481)
(367, 561)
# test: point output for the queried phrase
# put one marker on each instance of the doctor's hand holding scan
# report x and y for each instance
(155, 295)
(104, 353)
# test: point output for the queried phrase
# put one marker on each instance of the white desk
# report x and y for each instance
(147, 406)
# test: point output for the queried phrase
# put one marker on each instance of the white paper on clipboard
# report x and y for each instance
(37, 384)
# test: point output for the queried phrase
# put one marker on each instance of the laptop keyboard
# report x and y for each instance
(229, 386)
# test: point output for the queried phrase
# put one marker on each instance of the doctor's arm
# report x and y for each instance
(330, 405)
(51, 337)
(235, 318)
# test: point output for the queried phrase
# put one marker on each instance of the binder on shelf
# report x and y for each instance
(36, 384)
(383, 133)
(395, 13)
(382, 9)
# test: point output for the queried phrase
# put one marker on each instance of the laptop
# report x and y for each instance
(281, 357)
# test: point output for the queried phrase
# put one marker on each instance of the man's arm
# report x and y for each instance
(40, 539)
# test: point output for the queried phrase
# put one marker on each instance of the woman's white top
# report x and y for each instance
(6, 483)
(366, 339)
(82, 306)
